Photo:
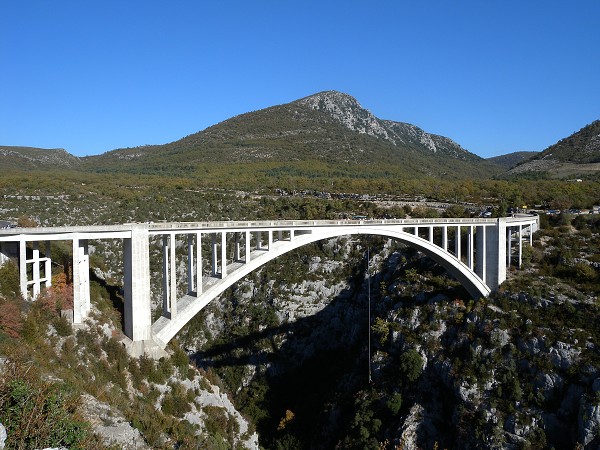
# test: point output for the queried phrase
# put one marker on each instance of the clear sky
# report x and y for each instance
(495, 76)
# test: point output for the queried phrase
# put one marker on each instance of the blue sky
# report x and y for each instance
(495, 76)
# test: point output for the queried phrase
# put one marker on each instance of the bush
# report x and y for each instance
(411, 365)
(9, 280)
(394, 403)
(37, 414)
(11, 322)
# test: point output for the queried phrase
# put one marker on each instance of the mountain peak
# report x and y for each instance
(346, 110)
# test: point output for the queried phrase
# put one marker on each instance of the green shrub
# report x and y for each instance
(394, 403)
(411, 365)
(37, 414)
(9, 280)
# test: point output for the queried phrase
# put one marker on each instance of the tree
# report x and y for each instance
(411, 365)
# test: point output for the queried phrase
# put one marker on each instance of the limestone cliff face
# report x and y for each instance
(347, 111)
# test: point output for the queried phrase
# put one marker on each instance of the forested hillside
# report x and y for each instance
(576, 156)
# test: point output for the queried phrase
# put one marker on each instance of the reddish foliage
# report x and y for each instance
(10, 319)
(59, 296)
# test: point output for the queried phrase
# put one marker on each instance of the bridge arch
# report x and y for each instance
(165, 329)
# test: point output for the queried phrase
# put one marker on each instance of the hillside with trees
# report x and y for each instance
(576, 156)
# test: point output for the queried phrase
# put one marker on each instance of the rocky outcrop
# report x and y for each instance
(110, 425)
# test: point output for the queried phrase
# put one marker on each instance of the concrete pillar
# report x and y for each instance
(35, 272)
(258, 240)
(416, 232)
(445, 238)
(236, 251)
(509, 244)
(470, 246)
(23, 268)
(457, 243)
(223, 254)
(247, 246)
(137, 314)
(190, 270)
(173, 275)
(214, 254)
(48, 265)
(495, 245)
(431, 234)
(531, 235)
(198, 263)
(481, 252)
(280, 235)
(166, 279)
(520, 245)
(166, 291)
(81, 280)
(270, 240)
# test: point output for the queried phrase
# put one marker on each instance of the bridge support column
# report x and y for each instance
(214, 254)
(236, 252)
(445, 238)
(48, 265)
(258, 235)
(137, 314)
(169, 276)
(81, 280)
(520, 245)
(223, 254)
(481, 253)
(495, 250)
(35, 269)
(509, 245)
(457, 243)
(23, 269)
(247, 247)
(470, 247)
(198, 263)
(190, 271)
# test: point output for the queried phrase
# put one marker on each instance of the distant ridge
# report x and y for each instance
(326, 135)
(577, 154)
(510, 160)
(329, 128)
(31, 158)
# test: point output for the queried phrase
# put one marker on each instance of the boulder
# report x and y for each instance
(549, 384)
(563, 355)
(589, 425)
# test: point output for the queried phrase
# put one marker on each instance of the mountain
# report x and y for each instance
(576, 155)
(30, 158)
(328, 130)
(510, 160)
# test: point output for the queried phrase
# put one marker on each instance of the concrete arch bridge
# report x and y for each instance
(237, 248)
